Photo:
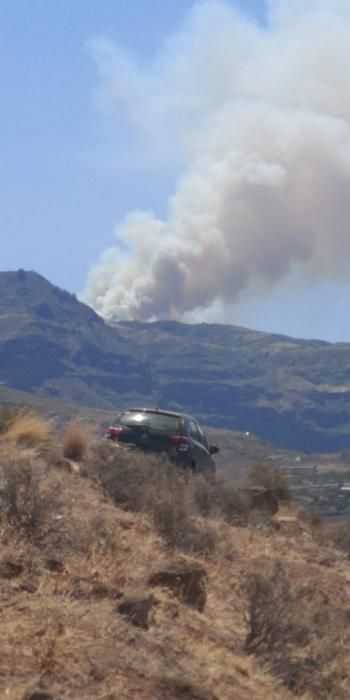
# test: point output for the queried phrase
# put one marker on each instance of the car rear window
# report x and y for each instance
(159, 422)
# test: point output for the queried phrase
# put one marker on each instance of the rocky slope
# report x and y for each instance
(96, 600)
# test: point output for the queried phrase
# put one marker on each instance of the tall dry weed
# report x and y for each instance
(7, 414)
(338, 535)
(75, 441)
(272, 478)
(218, 498)
(272, 617)
(293, 636)
(28, 428)
(25, 503)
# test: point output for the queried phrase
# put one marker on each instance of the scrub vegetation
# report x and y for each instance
(122, 577)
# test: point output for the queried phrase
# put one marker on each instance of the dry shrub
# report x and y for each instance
(267, 477)
(221, 499)
(25, 503)
(339, 536)
(29, 428)
(7, 414)
(36, 503)
(128, 476)
(232, 505)
(174, 521)
(310, 517)
(151, 484)
(271, 612)
(75, 441)
(299, 653)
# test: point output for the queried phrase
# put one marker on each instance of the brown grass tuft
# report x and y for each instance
(220, 499)
(28, 428)
(75, 441)
(25, 503)
(289, 627)
(271, 612)
(7, 414)
(272, 478)
(339, 536)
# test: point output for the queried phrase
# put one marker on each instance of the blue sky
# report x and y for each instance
(61, 196)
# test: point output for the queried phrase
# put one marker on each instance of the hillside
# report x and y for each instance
(315, 479)
(293, 393)
(95, 600)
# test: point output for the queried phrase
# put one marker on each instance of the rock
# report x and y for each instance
(176, 688)
(54, 565)
(10, 569)
(72, 466)
(328, 561)
(186, 579)
(136, 608)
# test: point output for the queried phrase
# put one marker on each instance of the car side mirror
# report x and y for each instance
(213, 450)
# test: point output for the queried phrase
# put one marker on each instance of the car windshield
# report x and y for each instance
(159, 422)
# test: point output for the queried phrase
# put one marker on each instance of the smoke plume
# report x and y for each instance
(260, 116)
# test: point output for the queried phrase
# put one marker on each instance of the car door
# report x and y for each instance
(206, 458)
(200, 455)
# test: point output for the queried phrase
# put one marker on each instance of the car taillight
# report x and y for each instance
(113, 432)
(181, 441)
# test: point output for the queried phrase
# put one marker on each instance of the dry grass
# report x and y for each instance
(150, 484)
(339, 536)
(273, 622)
(220, 499)
(25, 503)
(75, 441)
(72, 544)
(289, 626)
(7, 414)
(28, 428)
(272, 478)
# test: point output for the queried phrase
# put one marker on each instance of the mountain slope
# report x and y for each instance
(52, 344)
(294, 393)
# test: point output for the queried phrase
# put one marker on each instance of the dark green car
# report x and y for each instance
(175, 434)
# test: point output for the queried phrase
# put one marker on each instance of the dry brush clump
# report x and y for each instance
(289, 627)
(27, 428)
(216, 497)
(272, 619)
(312, 518)
(7, 414)
(272, 478)
(26, 501)
(151, 484)
(181, 504)
(75, 441)
(338, 535)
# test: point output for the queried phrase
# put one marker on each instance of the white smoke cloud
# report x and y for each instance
(261, 116)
